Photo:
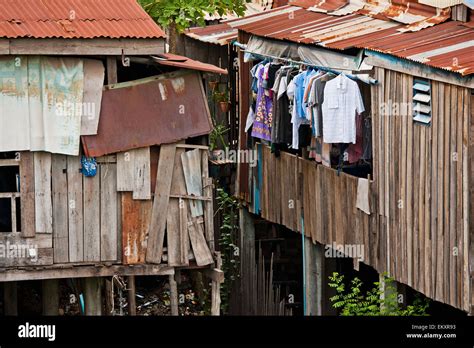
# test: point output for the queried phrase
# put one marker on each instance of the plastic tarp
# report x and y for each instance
(41, 104)
(313, 55)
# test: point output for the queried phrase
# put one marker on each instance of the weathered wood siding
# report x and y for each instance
(109, 218)
(419, 230)
(421, 184)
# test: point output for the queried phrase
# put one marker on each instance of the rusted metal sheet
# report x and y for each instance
(157, 110)
(187, 63)
(447, 45)
(135, 221)
(76, 19)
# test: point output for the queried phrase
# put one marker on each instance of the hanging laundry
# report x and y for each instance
(264, 109)
(355, 151)
(315, 101)
(281, 122)
(342, 101)
(295, 92)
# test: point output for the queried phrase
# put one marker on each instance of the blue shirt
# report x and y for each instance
(301, 81)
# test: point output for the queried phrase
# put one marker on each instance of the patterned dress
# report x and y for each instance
(263, 111)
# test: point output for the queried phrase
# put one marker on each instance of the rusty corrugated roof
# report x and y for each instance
(223, 33)
(82, 19)
(448, 45)
(403, 11)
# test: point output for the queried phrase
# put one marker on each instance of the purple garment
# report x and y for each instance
(263, 111)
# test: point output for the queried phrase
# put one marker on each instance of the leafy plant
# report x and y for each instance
(184, 13)
(228, 206)
(354, 302)
(216, 136)
(221, 96)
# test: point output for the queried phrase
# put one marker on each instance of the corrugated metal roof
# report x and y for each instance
(447, 45)
(82, 19)
(219, 34)
(252, 7)
(403, 11)
(224, 33)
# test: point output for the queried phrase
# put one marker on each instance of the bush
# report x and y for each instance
(354, 302)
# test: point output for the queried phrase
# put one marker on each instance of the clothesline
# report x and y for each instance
(299, 63)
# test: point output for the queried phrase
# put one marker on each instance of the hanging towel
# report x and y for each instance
(362, 202)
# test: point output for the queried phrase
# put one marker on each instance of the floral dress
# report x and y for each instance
(263, 110)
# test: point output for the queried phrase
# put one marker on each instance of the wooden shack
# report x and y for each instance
(419, 230)
(146, 208)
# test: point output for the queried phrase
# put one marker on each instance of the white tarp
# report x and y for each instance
(94, 73)
(41, 104)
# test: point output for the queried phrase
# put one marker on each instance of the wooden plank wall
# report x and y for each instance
(85, 212)
(109, 217)
(421, 175)
(418, 231)
(292, 187)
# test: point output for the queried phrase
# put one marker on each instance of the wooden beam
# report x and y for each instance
(10, 298)
(215, 298)
(173, 296)
(93, 296)
(132, 303)
(83, 272)
(108, 298)
(111, 70)
(156, 233)
(215, 275)
(50, 296)
(314, 260)
(112, 47)
(418, 69)
(9, 163)
(4, 46)
(27, 200)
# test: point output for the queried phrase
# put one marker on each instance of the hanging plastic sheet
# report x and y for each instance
(41, 101)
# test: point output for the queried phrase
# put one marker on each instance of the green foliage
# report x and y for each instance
(228, 206)
(221, 96)
(186, 12)
(216, 136)
(354, 302)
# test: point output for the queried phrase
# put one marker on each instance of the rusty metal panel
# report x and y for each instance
(76, 19)
(136, 215)
(187, 63)
(403, 28)
(157, 110)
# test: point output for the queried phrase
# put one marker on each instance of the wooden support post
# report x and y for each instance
(50, 296)
(132, 303)
(111, 70)
(93, 296)
(216, 298)
(217, 277)
(177, 276)
(109, 300)
(10, 298)
(247, 265)
(173, 296)
(314, 259)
